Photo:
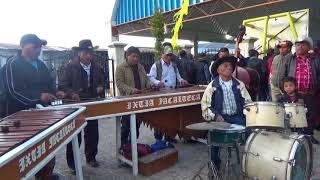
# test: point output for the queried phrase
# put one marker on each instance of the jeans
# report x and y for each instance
(233, 119)
(125, 129)
(91, 139)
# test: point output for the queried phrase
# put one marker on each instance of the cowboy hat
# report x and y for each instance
(219, 61)
(85, 44)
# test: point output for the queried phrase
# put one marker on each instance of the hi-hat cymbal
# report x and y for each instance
(209, 126)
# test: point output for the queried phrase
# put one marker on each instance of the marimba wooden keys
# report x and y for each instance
(35, 134)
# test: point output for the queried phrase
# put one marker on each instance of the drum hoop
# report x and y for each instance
(228, 131)
(243, 129)
(248, 145)
(293, 104)
(263, 103)
(293, 151)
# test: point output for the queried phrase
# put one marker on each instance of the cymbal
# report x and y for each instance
(209, 125)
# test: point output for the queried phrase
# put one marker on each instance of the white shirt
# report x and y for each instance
(87, 69)
(168, 76)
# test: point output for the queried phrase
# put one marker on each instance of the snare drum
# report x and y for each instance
(264, 115)
(297, 113)
(271, 155)
(226, 136)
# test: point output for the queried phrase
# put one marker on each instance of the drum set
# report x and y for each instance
(272, 150)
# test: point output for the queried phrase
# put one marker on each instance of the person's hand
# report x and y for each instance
(136, 91)
(61, 95)
(237, 52)
(75, 97)
(47, 98)
(184, 82)
(161, 84)
(99, 89)
(219, 118)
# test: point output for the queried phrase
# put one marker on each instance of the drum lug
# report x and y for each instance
(297, 110)
(291, 162)
(274, 178)
(255, 154)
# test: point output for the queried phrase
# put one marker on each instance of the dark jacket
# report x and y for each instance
(187, 70)
(290, 69)
(217, 96)
(202, 73)
(74, 79)
(285, 98)
(24, 83)
(278, 69)
(256, 64)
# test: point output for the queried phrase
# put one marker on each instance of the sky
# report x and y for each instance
(60, 22)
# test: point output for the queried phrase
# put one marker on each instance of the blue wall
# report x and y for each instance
(130, 10)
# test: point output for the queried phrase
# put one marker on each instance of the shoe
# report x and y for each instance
(171, 140)
(191, 141)
(93, 163)
(72, 171)
(314, 140)
(54, 177)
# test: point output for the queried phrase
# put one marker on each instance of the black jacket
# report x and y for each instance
(74, 79)
(24, 83)
(285, 98)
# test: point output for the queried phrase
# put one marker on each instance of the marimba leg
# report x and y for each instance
(118, 135)
(133, 133)
(77, 160)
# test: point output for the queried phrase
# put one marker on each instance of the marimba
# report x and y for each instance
(169, 111)
(29, 139)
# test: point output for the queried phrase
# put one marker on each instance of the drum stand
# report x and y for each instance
(213, 172)
(229, 166)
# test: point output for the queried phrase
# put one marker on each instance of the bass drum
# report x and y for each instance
(272, 155)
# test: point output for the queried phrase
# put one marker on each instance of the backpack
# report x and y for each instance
(143, 149)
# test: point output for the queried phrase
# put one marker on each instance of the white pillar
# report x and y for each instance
(188, 48)
(116, 52)
(246, 45)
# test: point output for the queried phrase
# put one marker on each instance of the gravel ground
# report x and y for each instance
(192, 156)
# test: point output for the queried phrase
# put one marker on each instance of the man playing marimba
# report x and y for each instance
(28, 82)
(224, 98)
(83, 79)
(131, 78)
(165, 74)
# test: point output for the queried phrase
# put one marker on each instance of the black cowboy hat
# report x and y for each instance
(219, 61)
(85, 44)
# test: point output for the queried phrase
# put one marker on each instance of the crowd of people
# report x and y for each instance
(285, 77)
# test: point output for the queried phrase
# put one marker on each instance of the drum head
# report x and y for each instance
(303, 163)
(233, 128)
(209, 126)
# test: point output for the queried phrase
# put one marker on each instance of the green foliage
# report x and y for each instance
(157, 30)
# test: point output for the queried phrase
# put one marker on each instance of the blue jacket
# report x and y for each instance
(212, 100)
(217, 96)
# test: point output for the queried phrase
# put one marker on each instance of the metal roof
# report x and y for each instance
(212, 20)
(130, 10)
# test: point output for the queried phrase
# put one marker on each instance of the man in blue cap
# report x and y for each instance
(28, 82)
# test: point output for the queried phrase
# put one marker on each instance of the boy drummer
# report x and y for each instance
(224, 98)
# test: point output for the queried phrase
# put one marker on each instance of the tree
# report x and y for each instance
(157, 30)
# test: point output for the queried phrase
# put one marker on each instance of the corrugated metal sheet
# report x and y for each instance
(130, 10)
